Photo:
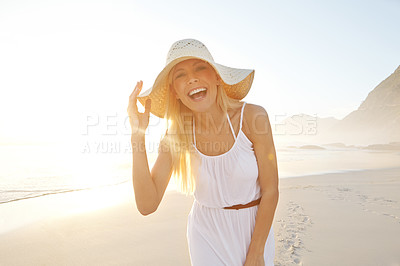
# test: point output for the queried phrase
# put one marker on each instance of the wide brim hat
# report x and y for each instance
(236, 82)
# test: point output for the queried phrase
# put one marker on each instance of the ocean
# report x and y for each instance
(29, 171)
(37, 170)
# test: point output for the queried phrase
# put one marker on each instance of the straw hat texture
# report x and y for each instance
(236, 82)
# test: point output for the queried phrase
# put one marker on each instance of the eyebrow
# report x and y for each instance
(198, 62)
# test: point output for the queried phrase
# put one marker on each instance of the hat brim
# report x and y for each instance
(236, 83)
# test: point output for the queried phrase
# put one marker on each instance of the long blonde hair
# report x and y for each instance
(178, 136)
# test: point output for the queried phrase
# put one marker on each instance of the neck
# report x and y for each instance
(210, 120)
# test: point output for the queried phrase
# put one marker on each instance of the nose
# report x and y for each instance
(192, 78)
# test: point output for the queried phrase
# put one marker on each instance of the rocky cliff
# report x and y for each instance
(377, 119)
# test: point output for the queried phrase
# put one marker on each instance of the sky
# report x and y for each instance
(68, 67)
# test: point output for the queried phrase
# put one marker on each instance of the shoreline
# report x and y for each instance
(323, 173)
(66, 191)
(349, 218)
(71, 200)
(54, 192)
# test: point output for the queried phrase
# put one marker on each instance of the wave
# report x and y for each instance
(11, 195)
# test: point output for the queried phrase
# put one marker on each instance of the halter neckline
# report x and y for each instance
(232, 130)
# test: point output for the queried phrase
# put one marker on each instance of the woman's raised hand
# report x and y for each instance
(138, 121)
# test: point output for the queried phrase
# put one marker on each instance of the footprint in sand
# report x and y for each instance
(366, 202)
(292, 229)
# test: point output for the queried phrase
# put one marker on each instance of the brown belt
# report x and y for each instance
(242, 206)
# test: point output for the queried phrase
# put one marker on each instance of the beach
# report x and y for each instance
(350, 218)
(344, 218)
(322, 85)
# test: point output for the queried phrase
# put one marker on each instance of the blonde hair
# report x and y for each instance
(178, 136)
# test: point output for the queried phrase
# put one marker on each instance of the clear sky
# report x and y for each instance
(62, 61)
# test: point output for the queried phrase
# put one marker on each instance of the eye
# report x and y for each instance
(179, 75)
(200, 68)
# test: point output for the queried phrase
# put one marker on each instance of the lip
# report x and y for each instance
(196, 89)
(198, 99)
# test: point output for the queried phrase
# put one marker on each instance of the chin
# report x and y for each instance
(198, 107)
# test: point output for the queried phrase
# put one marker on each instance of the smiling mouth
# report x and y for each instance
(198, 93)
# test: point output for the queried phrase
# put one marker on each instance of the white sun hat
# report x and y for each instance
(236, 82)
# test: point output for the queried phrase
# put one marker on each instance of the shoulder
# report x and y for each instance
(256, 124)
(251, 110)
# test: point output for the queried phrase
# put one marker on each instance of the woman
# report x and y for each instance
(217, 147)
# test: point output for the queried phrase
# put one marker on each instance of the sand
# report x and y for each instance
(339, 219)
(350, 218)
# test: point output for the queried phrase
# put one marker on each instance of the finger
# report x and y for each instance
(138, 88)
(134, 90)
(133, 98)
(132, 107)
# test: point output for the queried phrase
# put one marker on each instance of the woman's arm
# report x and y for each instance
(149, 187)
(259, 130)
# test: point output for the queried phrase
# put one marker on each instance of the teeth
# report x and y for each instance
(196, 91)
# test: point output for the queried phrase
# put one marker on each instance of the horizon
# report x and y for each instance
(318, 59)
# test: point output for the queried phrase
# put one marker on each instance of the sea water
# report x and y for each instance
(28, 171)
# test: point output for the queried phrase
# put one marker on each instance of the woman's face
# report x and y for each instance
(195, 84)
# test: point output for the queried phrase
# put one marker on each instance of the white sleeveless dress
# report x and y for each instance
(218, 236)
